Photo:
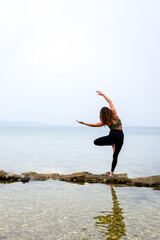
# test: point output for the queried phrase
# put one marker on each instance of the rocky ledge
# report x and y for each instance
(82, 177)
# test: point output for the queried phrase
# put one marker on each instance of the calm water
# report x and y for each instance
(55, 210)
(67, 150)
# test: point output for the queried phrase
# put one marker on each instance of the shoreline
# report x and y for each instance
(82, 178)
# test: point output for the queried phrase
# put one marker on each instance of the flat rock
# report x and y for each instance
(151, 181)
(82, 177)
(95, 178)
(11, 177)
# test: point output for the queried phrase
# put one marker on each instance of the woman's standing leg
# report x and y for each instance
(118, 146)
(115, 155)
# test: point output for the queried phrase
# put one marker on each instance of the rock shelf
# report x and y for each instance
(82, 177)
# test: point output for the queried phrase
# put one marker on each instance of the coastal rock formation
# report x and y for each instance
(38, 176)
(152, 181)
(95, 178)
(82, 177)
(9, 177)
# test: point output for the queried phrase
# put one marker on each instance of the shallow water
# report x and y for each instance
(56, 210)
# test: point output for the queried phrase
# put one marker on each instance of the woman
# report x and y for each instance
(115, 138)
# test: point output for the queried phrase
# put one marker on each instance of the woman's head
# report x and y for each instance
(106, 115)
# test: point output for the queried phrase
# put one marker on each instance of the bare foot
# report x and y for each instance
(111, 174)
(113, 146)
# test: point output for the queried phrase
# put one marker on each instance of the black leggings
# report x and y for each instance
(115, 136)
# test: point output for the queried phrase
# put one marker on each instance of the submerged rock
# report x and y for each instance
(39, 176)
(82, 177)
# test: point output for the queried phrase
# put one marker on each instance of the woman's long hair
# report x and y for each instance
(106, 116)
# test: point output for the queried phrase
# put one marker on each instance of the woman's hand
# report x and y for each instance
(99, 93)
(80, 122)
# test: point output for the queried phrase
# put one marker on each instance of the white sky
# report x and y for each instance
(55, 54)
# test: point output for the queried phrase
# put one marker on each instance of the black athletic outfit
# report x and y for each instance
(115, 136)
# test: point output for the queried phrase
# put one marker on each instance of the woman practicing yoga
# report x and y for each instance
(115, 138)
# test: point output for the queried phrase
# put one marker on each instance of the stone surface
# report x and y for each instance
(10, 177)
(82, 177)
(95, 178)
(151, 181)
(39, 176)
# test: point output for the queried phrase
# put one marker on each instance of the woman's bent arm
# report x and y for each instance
(108, 100)
(99, 124)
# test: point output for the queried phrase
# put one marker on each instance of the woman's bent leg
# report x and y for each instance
(103, 141)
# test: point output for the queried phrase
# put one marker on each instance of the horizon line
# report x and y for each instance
(7, 123)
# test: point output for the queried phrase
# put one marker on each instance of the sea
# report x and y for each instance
(71, 149)
(56, 210)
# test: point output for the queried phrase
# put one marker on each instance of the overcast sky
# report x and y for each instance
(55, 54)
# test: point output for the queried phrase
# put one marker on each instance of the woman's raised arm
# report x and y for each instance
(108, 100)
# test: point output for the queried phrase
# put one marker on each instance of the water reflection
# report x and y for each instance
(111, 224)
